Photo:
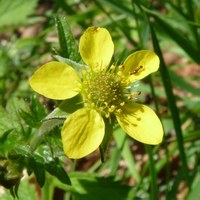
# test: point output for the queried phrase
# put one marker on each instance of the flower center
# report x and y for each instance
(105, 92)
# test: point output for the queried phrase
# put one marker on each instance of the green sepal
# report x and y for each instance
(59, 114)
(109, 123)
(71, 105)
(68, 47)
(77, 66)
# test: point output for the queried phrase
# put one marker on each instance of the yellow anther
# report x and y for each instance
(119, 73)
(121, 67)
(129, 97)
(107, 115)
(89, 96)
(112, 67)
(106, 103)
(119, 110)
(122, 103)
(112, 108)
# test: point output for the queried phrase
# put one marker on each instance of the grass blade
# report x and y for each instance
(177, 37)
(172, 103)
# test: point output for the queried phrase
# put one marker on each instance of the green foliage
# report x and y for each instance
(54, 168)
(36, 114)
(87, 186)
(15, 12)
(26, 191)
(68, 48)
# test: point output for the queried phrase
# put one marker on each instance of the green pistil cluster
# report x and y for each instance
(105, 92)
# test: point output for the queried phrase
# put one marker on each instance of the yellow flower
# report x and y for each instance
(106, 91)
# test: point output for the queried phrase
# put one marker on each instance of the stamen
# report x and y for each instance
(122, 103)
(106, 103)
(112, 67)
(129, 97)
(107, 115)
(106, 92)
(119, 110)
(112, 108)
(121, 67)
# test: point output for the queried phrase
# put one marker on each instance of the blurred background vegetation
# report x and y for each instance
(30, 32)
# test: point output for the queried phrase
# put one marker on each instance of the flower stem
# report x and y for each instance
(154, 184)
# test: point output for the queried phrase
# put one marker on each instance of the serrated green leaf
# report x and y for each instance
(37, 108)
(15, 12)
(4, 135)
(14, 106)
(10, 117)
(34, 116)
(6, 122)
(28, 118)
(55, 169)
(68, 47)
(36, 165)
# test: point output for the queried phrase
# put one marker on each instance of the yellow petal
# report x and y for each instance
(139, 65)
(141, 123)
(96, 47)
(56, 80)
(82, 133)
